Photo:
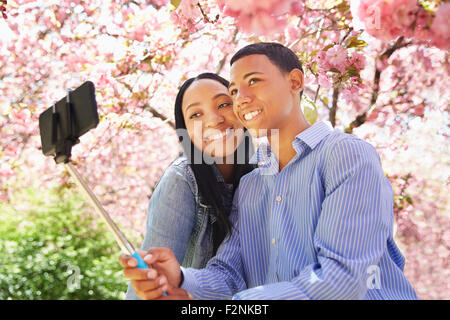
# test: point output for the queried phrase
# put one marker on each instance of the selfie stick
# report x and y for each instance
(63, 154)
(120, 238)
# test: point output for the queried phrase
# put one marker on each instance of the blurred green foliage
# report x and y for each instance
(53, 246)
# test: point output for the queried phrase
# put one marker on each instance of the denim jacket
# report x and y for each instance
(178, 219)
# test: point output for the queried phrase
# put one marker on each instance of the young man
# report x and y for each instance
(314, 221)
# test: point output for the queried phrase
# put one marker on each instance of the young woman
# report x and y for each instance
(188, 211)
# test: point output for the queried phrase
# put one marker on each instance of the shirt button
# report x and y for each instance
(273, 240)
(278, 198)
(260, 164)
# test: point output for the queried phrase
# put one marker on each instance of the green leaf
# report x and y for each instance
(356, 43)
(428, 6)
(342, 6)
(352, 71)
(175, 3)
(309, 109)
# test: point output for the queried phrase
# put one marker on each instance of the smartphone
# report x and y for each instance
(83, 117)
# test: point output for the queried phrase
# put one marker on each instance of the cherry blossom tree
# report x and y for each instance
(376, 69)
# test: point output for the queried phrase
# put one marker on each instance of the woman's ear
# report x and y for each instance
(296, 80)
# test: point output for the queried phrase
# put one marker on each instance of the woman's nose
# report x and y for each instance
(213, 120)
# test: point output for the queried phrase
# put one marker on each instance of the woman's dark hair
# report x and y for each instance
(210, 189)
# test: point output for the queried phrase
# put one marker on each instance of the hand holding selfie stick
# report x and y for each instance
(63, 122)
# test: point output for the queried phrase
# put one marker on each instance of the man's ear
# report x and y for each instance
(296, 80)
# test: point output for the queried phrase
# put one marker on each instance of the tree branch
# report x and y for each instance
(156, 114)
(222, 62)
(361, 118)
(332, 112)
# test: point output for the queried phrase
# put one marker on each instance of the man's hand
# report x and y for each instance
(165, 263)
(147, 284)
(176, 294)
(164, 273)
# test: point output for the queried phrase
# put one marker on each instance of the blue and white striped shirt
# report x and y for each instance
(321, 228)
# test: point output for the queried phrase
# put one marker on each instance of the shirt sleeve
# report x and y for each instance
(351, 232)
(170, 216)
(223, 275)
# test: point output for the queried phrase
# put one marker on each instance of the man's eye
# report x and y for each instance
(233, 92)
(226, 104)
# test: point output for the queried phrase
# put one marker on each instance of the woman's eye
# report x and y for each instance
(253, 80)
(226, 104)
(233, 92)
(194, 115)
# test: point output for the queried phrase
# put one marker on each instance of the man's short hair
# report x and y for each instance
(283, 57)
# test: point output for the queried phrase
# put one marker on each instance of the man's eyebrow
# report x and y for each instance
(246, 76)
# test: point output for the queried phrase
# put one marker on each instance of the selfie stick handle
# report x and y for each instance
(120, 238)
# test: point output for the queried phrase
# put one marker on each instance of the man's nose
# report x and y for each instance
(242, 96)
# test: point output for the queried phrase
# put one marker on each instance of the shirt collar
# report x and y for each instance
(314, 134)
(262, 153)
(311, 137)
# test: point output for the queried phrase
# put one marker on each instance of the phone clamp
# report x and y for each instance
(63, 147)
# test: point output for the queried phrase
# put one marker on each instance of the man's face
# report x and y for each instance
(261, 93)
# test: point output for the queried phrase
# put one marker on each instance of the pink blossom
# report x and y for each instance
(322, 61)
(421, 32)
(5, 171)
(262, 23)
(297, 8)
(139, 33)
(441, 27)
(358, 60)
(251, 6)
(292, 33)
(388, 19)
(373, 115)
(347, 95)
(61, 15)
(350, 93)
(159, 3)
(145, 67)
(262, 17)
(186, 14)
(337, 57)
(354, 81)
(419, 110)
(324, 81)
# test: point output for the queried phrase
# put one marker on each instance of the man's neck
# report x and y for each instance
(281, 140)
